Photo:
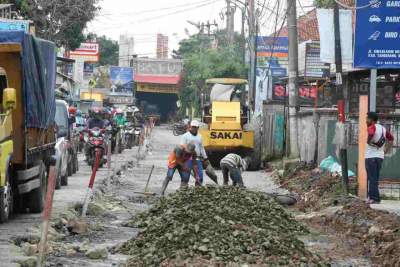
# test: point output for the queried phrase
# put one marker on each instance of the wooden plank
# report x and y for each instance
(10, 48)
(362, 145)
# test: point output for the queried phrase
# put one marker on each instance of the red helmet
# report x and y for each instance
(72, 110)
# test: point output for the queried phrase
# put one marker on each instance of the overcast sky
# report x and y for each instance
(145, 18)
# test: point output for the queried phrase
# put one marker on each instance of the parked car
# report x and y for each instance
(62, 144)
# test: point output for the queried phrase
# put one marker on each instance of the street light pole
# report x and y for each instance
(293, 75)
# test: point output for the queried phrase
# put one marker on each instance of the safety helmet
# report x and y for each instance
(78, 113)
(119, 111)
(72, 110)
(95, 110)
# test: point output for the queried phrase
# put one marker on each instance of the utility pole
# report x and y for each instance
(230, 21)
(250, 4)
(293, 75)
(340, 103)
(243, 33)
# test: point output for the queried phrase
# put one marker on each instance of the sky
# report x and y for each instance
(145, 18)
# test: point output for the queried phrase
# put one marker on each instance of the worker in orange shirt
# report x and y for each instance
(179, 159)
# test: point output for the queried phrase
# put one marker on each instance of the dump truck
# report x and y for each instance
(27, 132)
(227, 122)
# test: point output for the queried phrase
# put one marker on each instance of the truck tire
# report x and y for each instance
(255, 125)
(37, 196)
(58, 180)
(6, 202)
(64, 180)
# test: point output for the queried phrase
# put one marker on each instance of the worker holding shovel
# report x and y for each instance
(180, 159)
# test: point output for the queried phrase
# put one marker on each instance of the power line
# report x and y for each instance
(209, 2)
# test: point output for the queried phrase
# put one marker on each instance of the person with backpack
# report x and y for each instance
(378, 139)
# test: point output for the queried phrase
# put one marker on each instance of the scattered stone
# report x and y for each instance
(95, 209)
(29, 249)
(374, 230)
(70, 252)
(27, 262)
(77, 226)
(97, 253)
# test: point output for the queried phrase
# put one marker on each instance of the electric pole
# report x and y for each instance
(252, 24)
(230, 21)
(340, 103)
(293, 74)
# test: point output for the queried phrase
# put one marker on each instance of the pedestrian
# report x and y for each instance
(193, 136)
(378, 139)
(233, 165)
(179, 159)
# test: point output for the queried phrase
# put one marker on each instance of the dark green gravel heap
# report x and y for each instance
(217, 226)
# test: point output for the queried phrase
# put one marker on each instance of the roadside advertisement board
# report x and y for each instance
(89, 52)
(121, 79)
(14, 25)
(314, 68)
(268, 46)
(376, 35)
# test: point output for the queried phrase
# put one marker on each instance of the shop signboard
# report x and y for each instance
(376, 33)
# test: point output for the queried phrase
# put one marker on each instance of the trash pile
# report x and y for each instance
(217, 226)
(316, 189)
(376, 232)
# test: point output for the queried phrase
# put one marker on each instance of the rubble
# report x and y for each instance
(217, 226)
(97, 253)
(375, 232)
(315, 189)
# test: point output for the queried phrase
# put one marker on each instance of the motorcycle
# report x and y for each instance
(79, 132)
(119, 140)
(179, 128)
(129, 135)
(137, 135)
(95, 144)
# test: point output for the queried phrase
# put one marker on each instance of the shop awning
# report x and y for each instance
(157, 79)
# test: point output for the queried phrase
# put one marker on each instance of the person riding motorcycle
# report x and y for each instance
(120, 118)
(96, 119)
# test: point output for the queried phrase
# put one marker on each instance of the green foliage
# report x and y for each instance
(108, 49)
(324, 3)
(58, 20)
(202, 62)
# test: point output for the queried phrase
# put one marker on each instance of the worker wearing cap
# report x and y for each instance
(193, 136)
(233, 165)
(179, 159)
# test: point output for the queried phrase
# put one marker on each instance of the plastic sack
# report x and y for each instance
(331, 165)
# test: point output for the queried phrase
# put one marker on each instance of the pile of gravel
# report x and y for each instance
(217, 226)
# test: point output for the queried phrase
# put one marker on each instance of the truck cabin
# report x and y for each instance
(226, 96)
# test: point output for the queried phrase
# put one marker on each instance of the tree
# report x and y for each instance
(109, 49)
(202, 62)
(61, 21)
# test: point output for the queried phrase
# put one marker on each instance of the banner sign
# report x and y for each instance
(121, 79)
(376, 35)
(157, 88)
(88, 51)
(14, 25)
(314, 68)
(272, 46)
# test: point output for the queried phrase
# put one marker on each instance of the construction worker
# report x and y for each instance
(179, 160)
(193, 136)
(233, 165)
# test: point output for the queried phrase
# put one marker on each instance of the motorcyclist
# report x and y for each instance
(120, 118)
(95, 120)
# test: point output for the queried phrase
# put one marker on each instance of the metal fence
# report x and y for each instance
(393, 127)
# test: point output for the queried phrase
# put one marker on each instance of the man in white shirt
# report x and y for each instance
(378, 136)
(193, 136)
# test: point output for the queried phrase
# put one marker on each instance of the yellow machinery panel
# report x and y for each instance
(220, 140)
(225, 116)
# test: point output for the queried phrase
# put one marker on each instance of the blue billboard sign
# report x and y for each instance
(121, 79)
(14, 25)
(268, 46)
(377, 34)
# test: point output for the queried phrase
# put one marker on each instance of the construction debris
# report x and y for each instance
(217, 226)
(375, 233)
(316, 189)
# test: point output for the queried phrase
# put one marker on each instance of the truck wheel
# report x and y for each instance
(58, 179)
(37, 196)
(69, 166)
(64, 180)
(6, 202)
